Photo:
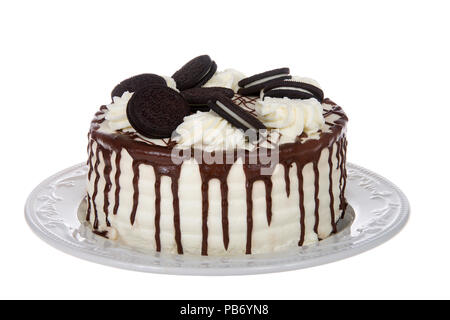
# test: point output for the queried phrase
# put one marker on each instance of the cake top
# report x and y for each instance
(199, 107)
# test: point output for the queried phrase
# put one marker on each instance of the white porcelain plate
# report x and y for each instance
(378, 210)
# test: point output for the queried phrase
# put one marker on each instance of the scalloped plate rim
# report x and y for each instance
(61, 244)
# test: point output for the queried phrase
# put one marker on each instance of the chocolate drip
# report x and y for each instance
(338, 166)
(225, 227)
(108, 184)
(207, 173)
(157, 211)
(268, 184)
(135, 167)
(88, 212)
(253, 174)
(341, 168)
(205, 207)
(330, 179)
(176, 211)
(103, 234)
(94, 194)
(249, 192)
(344, 201)
(117, 183)
(287, 179)
(301, 197)
(91, 142)
(160, 158)
(316, 195)
(173, 172)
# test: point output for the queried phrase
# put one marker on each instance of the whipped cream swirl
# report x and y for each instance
(291, 117)
(228, 78)
(117, 113)
(171, 83)
(208, 131)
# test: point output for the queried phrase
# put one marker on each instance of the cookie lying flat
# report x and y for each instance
(198, 98)
(293, 90)
(137, 82)
(254, 84)
(195, 73)
(156, 111)
(235, 115)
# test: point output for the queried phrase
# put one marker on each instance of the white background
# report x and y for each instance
(385, 62)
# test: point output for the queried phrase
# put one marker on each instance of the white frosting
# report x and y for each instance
(171, 83)
(208, 131)
(282, 233)
(291, 117)
(228, 78)
(117, 113)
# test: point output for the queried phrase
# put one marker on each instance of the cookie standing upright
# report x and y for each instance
(137, 82)
(195, 73)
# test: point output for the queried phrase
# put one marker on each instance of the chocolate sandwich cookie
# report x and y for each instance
(195, 73)
(198, 98)
(156, 111)
(137, 82)
(235, 115)
(254, 84)
(293, 90)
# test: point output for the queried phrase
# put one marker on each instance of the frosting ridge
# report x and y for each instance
(117, 112)
(291, 117)
(208, 131)
(228, 78)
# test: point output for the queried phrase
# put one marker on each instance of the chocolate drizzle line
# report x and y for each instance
(91, 142)
(330, 190)
(341, 168)
(225, 227)
(88, 214)
(106, 173)
(207, 173)
(287, 179)
(249, 191)
(344, 201)
(103, 234)
(94, 194)
(157, 212)
(136, 175)
(268, 184)
(316, 195)
(117, 183)
(247, 103)
(301, 197)
(160, 158)
(176, 211)
(205, 207)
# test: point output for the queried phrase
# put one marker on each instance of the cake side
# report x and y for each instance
(137, 194)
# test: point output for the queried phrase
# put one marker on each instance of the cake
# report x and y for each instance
(173, 171)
